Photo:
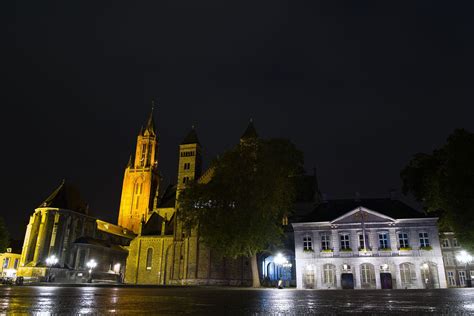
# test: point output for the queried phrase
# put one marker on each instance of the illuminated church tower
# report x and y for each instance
(141, 179)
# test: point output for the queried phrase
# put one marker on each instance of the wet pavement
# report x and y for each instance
(224, 301)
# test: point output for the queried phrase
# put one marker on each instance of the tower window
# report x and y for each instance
(187, 165)
(149, 258)
(185, 179)
(138, 200)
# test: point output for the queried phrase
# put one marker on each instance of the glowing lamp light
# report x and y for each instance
(91, 264)
(279, 259)
(425, 266)
(51, 261)
(117, 268)
(464, 257)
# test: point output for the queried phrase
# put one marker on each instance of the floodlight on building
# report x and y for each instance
(51, 260)
(117, 268)
(279, 259)
(464, 257)
(91, 265)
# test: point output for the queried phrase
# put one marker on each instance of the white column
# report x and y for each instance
(356, 272)
(299, 276)
(338, 276)
(398, 276)
(419, 280)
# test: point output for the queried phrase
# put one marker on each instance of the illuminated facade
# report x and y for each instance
(458, 274)
(165, 254)
(10, 263)
(141, 180)
(371, 244)
(61, 227)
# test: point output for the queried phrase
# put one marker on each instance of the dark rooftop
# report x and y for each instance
(66, 196)
(332, 209)
(191, 138)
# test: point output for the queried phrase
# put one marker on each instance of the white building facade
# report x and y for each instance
(348, 245)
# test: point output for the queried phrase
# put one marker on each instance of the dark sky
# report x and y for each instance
(359, 87)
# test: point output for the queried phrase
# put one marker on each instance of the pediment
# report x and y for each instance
(360, 214)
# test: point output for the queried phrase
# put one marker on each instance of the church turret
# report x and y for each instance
(249, 134)
(190, 160)
(141, 179)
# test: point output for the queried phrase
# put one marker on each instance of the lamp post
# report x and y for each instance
(465, 258)
(91, 265)
(50, 261)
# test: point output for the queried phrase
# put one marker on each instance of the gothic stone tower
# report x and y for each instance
(141, 179)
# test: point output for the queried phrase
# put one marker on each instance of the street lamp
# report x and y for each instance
(466, 258)
(91, 265)
(50, 261)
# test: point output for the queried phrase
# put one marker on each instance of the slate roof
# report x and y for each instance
(66, 196)
(191, 138)
(250, 132)
(332, 209)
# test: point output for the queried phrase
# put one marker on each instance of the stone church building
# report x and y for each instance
(163, 253)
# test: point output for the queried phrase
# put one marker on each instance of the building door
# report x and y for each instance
(347, 281)
(386, 280)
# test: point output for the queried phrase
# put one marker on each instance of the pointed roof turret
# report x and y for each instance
(150, 124)
(191, 138)
(250, 132)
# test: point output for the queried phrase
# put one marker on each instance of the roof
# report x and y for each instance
(98, 242)
(332, 209)
(168, 199)
(250, 132)
(66, 196)
(191, 138)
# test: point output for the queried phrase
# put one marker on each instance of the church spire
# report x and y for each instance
(150, 125)
(250, 132)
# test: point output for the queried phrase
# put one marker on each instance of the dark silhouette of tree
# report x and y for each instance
(239, 211)
(444, 182)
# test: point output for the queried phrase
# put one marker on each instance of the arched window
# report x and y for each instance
(329, 275)
(407, 274)
(149, 258)
(367, 275)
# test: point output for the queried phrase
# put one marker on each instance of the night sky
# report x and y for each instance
(358, 87)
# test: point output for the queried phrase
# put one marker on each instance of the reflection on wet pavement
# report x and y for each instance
(141, 300)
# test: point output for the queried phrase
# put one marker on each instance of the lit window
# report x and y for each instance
(407, 273)
(329, 275)
(149, 258)
(307, 243)
(403, 240)
(6, 261)
(15, 265)
(424, 241)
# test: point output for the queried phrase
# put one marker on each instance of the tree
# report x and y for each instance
(4, 236)
(239, 211)
(444, 182)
